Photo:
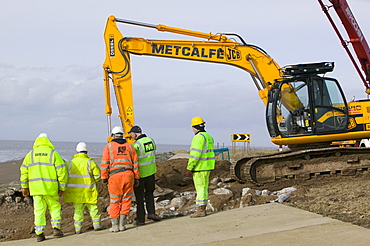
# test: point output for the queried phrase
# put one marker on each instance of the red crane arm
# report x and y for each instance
(356, 37)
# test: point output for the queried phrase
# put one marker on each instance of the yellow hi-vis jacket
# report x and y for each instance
(145, 148)
(202, 157)
(83, 175)
(43, 170)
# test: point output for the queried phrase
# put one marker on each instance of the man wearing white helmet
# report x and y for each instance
(82, 190)
(120, 169)
(44, 176)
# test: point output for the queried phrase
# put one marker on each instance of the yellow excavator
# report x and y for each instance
(305, 110)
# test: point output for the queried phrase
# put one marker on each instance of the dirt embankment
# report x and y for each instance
(346, 198)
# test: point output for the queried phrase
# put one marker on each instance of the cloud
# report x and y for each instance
(51, 77)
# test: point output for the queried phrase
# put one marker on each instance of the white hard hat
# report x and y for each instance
(117, 130)
(81, 146)
(43, 135)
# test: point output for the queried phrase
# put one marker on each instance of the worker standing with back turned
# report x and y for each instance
(120, 169)
(44, 176)
(82, 189)
(145, 149)
(201, 162)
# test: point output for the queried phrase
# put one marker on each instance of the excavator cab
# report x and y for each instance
(305, 103)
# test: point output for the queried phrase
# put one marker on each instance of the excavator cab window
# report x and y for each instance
(306, 106)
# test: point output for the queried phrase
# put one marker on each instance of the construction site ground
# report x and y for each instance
(313, 214)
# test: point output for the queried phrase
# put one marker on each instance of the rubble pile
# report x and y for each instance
(174, 197)
(12, 195)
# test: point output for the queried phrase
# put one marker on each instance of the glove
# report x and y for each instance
(189, 172)
(105, 181)
(60, 193)
(136, 183)
(25, 192)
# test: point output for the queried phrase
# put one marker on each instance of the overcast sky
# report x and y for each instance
(51, 56)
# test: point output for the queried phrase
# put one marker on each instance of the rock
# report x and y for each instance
(285, 190)
(222, 191)
(28, 200)
(265, 193)
(2, 199)
(168, 214)
(283, 197)
(226, 180)
(9, 192)
(163, 203)
(245, 191)
(164, 156)
(188, 194)
(257, 192)
(215, 181)
(162, 192)
(178, 202)
(18, 199)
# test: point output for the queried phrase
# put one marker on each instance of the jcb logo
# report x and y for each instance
(233, 54)
(111, 48)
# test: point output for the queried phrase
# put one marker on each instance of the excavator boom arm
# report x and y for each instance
(217, 49)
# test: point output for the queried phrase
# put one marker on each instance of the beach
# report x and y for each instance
(10, 172)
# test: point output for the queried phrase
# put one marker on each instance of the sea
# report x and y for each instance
(15, 150)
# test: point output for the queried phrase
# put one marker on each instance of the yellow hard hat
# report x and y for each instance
(197, 121)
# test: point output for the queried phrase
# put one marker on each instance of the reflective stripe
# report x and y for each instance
(146, 163)
(60, 166)
(119, 171)
(81, 185)
(116, 196)
(40, 228)
(78, 223)
(41, 164)
(42, 179)
(78, 176)
(202, 159)
(201, 151)
(55, 222)
(145, 155)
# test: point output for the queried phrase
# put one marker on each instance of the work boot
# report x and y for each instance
(57, 233)
(201, 212)
(138, 223)
(114, 227)
(100, 228)
(40, 237)
(122, 222)
(154, 217)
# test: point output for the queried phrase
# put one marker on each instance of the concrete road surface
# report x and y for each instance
(270, 224)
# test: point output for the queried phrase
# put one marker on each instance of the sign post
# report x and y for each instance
(240, 137)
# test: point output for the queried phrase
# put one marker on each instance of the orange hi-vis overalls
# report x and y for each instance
(120, 165)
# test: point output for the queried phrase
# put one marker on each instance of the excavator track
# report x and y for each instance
(302, 165)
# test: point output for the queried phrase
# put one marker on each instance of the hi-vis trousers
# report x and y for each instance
(79, 215)
(41, 203)
(121, 190)
(201, 180)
